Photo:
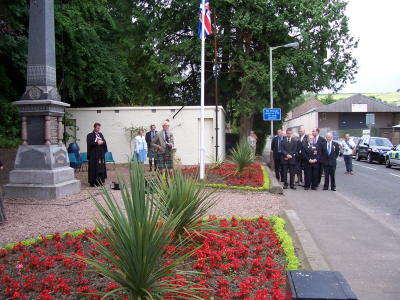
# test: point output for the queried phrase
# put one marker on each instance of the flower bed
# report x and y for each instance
(254, 177)
(245, 259)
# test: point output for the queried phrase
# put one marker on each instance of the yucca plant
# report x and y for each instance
(179, 196)
(242, 156)
(138, 241)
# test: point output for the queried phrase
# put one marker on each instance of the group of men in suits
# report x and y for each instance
(310, 154)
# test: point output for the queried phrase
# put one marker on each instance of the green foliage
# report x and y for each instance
(138, 240)
(292, 262)
(242, 155)
(9, 125)
(181, 198)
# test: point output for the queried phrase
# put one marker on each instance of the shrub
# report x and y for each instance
(181, 198)
(138, 241)
(242, 155)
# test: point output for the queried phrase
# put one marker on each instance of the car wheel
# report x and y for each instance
(358, 158)
(387, 162)
(369, 158)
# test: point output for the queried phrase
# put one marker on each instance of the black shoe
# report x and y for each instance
(325, 188)
(292, 187)
(285, 186)
(306, 188)
(333, 189)
(314, 188)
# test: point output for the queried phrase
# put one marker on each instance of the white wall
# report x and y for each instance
(308, 121)
(185, 127)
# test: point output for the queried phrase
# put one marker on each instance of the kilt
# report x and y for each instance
(151, 154)
(165, 160)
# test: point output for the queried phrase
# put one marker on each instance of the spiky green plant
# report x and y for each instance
(181, 197)
(138, 240)
(242, 156)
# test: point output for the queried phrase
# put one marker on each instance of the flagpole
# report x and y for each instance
(202, 148)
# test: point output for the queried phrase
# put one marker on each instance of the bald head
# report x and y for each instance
(301, 131)
(329, 136)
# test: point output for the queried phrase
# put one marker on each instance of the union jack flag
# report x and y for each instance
(207, 19)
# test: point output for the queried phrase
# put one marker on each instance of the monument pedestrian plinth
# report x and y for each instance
(41, 169)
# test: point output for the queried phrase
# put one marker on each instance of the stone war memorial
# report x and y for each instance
(41, 169)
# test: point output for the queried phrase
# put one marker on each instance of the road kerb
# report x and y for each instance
(274, 186)
(307, 250)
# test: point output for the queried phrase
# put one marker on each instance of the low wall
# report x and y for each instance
(7, 157)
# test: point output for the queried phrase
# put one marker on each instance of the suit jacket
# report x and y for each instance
(148, 138)
(310, 152)
(329, 159)
(300, 144)
(289, 148)
(159, 144)
(275, 147)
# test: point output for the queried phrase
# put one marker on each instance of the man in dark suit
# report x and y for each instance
(150, 153)
(329, 154)
(311, 157)
(96, 150)
(277, 153)
(300, 162)
(289, 153)
(319, 142)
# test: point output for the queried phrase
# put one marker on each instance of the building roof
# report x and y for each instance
(347, 105)
(307, 106)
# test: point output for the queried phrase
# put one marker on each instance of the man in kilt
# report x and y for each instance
(163, 144)
(151, 154)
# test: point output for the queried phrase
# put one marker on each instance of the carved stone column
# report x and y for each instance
(47, 135)
(24, 131)
(59, 131)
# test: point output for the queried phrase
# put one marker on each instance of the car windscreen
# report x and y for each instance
(380, 143)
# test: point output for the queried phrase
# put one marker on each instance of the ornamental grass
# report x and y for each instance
(242, 156)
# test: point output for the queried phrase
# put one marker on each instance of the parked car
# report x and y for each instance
(373, 148)
(392, 157)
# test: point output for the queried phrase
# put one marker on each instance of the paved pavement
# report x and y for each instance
(357, 227)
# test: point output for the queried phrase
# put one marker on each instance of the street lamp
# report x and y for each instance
(290, 45)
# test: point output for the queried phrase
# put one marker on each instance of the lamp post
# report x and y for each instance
(290, 45)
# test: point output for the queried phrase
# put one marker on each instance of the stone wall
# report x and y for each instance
(7, 156)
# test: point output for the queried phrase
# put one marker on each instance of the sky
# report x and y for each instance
(377, 25)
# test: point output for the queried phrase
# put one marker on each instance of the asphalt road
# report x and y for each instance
(357, 228)
(373, 189)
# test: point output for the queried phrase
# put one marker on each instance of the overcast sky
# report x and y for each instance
(377, 25)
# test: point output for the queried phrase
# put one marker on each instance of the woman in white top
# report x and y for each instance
(140, 147)
(252, 140)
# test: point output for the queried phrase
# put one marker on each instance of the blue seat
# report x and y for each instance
(109, 158)
(84, 159)
(73, 162)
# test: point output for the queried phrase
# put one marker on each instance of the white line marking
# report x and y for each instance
(364, 166)
(394, 174)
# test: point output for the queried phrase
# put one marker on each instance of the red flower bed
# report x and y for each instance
(242, 261)
(252, 175)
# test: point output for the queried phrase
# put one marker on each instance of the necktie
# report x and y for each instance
(166, 137)
(152, 134)
(315, 140)
(329, 148)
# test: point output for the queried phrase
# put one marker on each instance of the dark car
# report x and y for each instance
(373, 148)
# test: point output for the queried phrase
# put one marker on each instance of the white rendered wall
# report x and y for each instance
(185, 127)
(308, 121)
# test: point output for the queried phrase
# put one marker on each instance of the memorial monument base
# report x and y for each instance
(42, 172)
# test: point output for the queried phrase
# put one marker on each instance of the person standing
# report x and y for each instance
(163, 144)
(348, 151)
(277, 154)
(150, 153)
(318, 141)
(311, 157)
(300, 160)
(252, 140)
(96, 150)
(329, 154)
(289, 152)
(140, 147)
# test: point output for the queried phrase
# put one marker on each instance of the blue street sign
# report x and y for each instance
(272, 114)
